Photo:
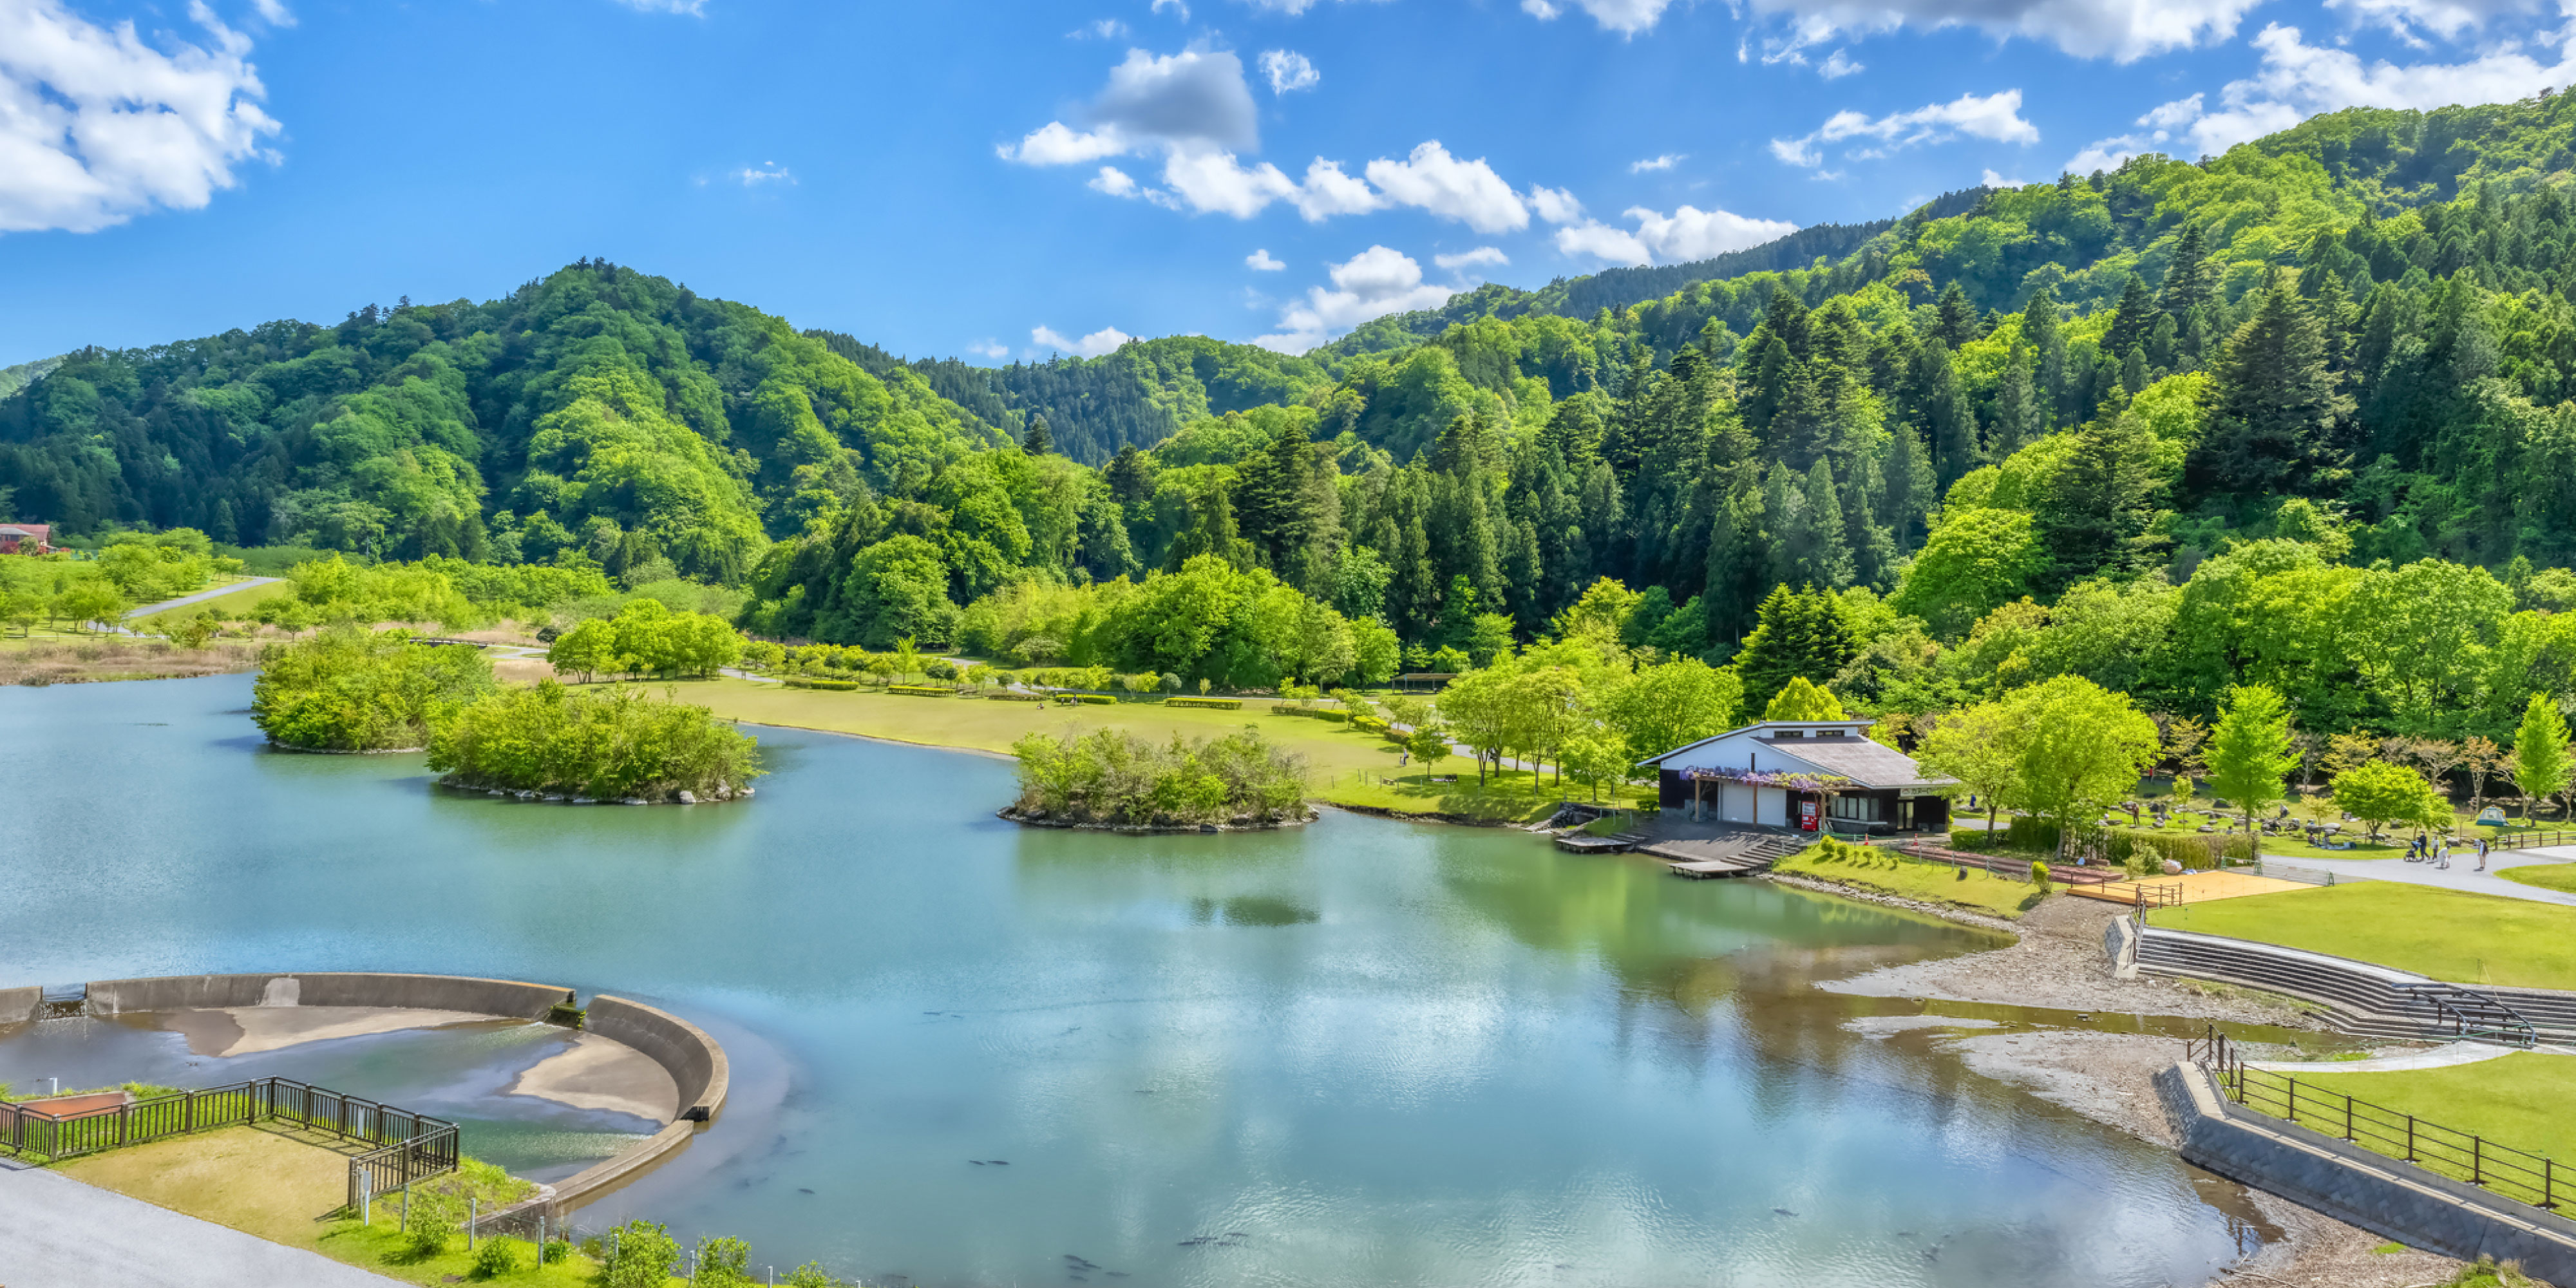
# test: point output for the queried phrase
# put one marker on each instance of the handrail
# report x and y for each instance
(2516, 1029)
(2446, 1151)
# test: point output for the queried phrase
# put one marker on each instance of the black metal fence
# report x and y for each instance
(410, 1146)
(2462, 1156)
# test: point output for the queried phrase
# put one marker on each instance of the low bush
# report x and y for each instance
(353, 690)
(1213, 704)
(496, 1257)
(1098, 699)
(2039, 875)
(835, 685)
(1014, 695)
(1111, 776)
(920, 690)
(612, 744)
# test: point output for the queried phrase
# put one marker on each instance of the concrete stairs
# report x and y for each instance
(2365, 999)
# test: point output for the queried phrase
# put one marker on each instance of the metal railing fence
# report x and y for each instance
(2461, 1155)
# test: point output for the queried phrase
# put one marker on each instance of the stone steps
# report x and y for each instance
(2361, 998)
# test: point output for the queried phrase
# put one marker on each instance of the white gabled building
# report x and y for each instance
(1799, 773)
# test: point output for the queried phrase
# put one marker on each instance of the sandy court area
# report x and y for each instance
(603, 1074)
(2192, 887)
(247, 1030)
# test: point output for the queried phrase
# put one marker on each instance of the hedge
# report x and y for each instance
(1213, 704)
(823, 684)
(919, 690)
(1010, 695)
(1334, 714)
(1097, 699)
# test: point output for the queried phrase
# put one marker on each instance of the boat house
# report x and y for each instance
(1803, 774)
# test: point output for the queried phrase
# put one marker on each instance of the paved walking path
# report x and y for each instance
(201, 596)
(2462, 876)
(61, 1232)
(2440, 1057)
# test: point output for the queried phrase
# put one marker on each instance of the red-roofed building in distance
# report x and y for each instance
(25, 538)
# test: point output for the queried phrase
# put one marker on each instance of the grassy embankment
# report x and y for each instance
(2560, 877)
(2517, 1100)
(2447, 934)
(230, 606)
(1349, 767)
(287, 1187)
(1885, 872)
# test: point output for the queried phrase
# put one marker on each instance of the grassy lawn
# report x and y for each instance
(1346, 766)
(2548, 876)
(2447, 934)
(2517, 1100)
(1912, 879)
(228, 607)
(288, 1187)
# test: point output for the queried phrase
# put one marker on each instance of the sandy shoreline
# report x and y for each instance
(2059, 963)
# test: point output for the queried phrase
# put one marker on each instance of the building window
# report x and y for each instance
(1855, 809)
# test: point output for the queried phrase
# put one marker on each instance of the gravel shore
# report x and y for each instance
(2059, 963)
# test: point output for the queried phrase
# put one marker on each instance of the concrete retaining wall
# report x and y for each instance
(695, 1061)
(2120, 940)
(2387, 1197)
(503, 997)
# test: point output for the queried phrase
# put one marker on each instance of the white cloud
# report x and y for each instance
(1665, 162)
(1476, 258)
(2159, 124)
(1991, 179)
(1555, 205)
(1627, 17)
(1328, 192)
(1289, 71)
(1176, 5)
(1215, 181)
(1839, 66)
(1467, 191)
(1260, 261)
(1601, 241)
(994, 349)
(1100, 29)
(2125, 30)
(1686, 234)
(1995, 116)
(273, 13)
(2298, 80)
(1191, 99)
(2445, 18)
(767, 172)
(1371, 284)
(97, 127)
(1105, 340)
(1114, 181)
(693, 8)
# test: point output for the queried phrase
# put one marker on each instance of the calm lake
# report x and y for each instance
(966, 1053)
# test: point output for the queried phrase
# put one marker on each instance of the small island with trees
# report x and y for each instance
(350, 690)
(1116, 780)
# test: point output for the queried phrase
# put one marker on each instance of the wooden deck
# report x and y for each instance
(1702, 860)
(1582, 844)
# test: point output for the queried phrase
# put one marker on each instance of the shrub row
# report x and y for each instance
(1213, 704)
(1014, 695)
(1334, 714)
(838, 685)
(1097, 700)
(919, 690)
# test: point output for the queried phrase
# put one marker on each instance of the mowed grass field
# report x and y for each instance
(2447, 934)
(2517, 1100)
(288, 1187)
(1936, 883)
(1346, 766)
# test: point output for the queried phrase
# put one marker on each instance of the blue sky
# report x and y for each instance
(998, 181)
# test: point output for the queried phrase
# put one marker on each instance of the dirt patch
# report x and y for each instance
(277, 1183)
(112, 658)
(2059, 963)
(594, 1072)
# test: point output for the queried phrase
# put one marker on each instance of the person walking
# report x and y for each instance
(2482, 854)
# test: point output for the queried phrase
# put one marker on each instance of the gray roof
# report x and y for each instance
(1864, 762)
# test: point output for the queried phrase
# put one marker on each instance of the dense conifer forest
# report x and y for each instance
(2304, 415)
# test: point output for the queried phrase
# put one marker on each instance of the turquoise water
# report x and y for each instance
(1361, 1052)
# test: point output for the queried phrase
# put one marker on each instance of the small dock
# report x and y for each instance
(1579, 843)
(1740, 855)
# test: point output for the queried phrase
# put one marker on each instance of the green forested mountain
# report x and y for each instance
(2304, 413)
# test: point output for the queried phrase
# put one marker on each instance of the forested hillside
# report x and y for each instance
(2304, 414)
